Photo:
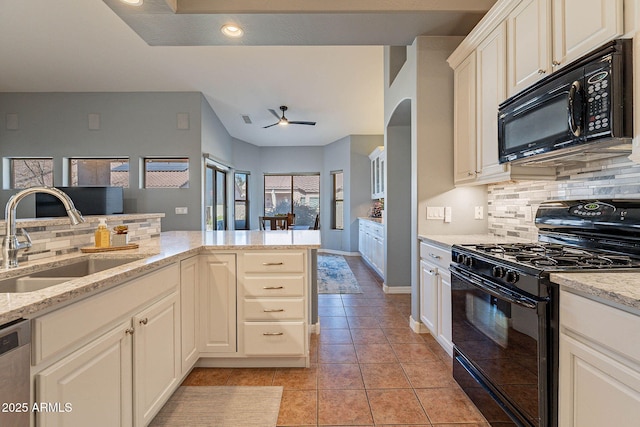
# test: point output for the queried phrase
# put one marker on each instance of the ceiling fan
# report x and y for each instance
(283, 121)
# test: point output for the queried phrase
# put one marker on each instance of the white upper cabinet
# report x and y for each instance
(545, 35)
(582, 25)
(529, 44)
(378, 170)
(464, 120)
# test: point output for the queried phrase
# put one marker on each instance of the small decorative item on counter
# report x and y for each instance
(102, 235)
(120, 238)
(377, 208)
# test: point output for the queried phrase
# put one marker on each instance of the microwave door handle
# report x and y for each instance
(575, 90)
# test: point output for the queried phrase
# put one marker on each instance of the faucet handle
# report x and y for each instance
(27, 243)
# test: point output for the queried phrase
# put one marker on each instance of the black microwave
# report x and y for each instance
(582, 112)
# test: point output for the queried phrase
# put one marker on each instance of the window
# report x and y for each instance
(241, 205)
(99, 172)
(27, 173)
(338, 200)
(215, 198)
(297, 194)
(166, 173)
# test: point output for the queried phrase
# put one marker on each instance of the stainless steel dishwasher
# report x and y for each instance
(15, 363)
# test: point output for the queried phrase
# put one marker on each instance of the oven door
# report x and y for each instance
(500, 340)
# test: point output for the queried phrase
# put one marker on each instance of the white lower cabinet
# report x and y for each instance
(599, 364)
(435, 293)
(113, 371)
(156, 355)
(189, 312)
(371, 244)
(218, 304)
(96, 381)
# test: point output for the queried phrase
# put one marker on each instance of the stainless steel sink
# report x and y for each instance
(52, 276)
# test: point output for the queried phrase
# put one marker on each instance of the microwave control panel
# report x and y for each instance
(598, 100)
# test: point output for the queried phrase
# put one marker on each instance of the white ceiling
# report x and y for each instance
(84, 46)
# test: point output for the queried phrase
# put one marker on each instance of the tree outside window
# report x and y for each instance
(241, 206)
(27, 173)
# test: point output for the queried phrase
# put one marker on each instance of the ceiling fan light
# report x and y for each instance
(283, 122)
(232, 30)
(133, 2)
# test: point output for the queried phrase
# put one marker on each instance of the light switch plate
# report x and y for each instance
(447, 214)
(435, 212)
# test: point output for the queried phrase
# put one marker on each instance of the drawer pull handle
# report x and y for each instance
(434, 256)
(144, 321)
(272, 287)
(269, 334)
(272, 263)
(129, 331)
(273, 310)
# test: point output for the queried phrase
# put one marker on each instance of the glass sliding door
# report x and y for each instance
(297, 194)
(215, 198)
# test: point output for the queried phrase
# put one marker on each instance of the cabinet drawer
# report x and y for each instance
(56, 331)
(274, 286)
(435, 255)
(274, 262)
(274, 309)
(377, 230)
(274, 338)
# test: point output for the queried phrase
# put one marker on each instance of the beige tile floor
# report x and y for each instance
(367, 368)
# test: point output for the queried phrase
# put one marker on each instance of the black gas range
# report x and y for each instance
(505, 308)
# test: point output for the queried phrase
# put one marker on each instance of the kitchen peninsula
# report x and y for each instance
(187, 298)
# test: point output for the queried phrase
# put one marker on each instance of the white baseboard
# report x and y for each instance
(314, 328)
(396, 289)
(336, 252)
(417, 327)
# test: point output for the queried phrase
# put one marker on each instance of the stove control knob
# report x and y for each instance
(511, 276)
(468, 261)
(460, 258)
(498, 271)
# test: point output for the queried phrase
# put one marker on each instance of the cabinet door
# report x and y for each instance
(383, 158)
(528, 44)
(218, 303)
(464, 117)
(156, 352)
(595, 389)
(378, 254)
(189, 312)
(580, 26)
(361, 237)
(429, 295)
(444, 313)
(491, 67)
(95, 380)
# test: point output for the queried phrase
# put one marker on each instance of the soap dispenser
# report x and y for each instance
(102, 235)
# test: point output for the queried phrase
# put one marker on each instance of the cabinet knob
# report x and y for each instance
(129, 331)
(144, 321)
(555, 63)
(541, 71)
(269, 334)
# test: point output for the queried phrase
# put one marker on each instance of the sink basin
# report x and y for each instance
(56, 275)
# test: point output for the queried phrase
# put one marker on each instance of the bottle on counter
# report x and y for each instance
(102, 235)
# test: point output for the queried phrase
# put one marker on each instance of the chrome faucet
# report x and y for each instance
(10, 244)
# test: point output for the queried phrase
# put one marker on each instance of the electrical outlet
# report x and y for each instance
(479, 212)
(182, 211)
(447, 214)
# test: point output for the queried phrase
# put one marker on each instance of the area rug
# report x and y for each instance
(221, 407)
(335, 276)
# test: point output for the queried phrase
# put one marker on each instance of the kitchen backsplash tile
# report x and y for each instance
(512, 205)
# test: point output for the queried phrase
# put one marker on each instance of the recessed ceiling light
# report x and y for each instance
(133, 2)
(231, 30)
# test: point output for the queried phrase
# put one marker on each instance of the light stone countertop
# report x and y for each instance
(369, 218)
(151, 254)
(620, 289)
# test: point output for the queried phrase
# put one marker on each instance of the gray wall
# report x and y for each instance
(132, 124)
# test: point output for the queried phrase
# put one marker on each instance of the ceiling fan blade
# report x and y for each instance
(274, 113)
(264, 127)
(302, 123)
